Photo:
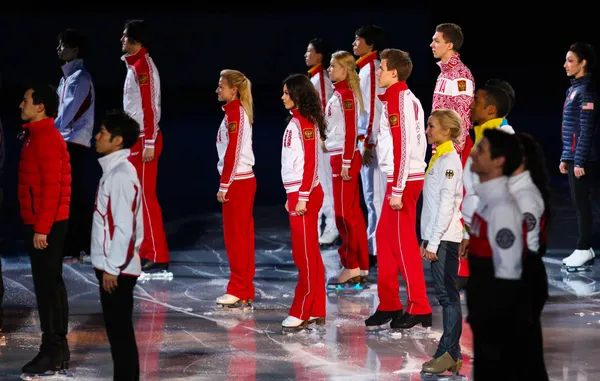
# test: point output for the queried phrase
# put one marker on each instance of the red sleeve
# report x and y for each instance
(351, 132)
(398, 128)
(309, 173)
(49, 157)
(146, 83)
(232, 154)
(369, 145)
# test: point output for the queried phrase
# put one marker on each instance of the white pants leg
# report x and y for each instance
(374, 192)
(327, 207)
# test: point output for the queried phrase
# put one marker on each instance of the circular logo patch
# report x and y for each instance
(505, 238)
(530, 221)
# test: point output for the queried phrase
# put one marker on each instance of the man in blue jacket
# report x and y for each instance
(75, 121)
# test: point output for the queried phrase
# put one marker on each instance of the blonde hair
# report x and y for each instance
(346, 60)
(449, 120)
(244, 86)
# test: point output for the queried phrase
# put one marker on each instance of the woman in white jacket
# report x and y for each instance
(442, 230)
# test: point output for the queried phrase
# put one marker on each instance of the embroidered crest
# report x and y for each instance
(530, 221)
(394, 120)
(232, 127)
(462, 85)
(505, 238)
(449, 173)
(573, 95)
(143, 78)
(349, 105)
(308, 134)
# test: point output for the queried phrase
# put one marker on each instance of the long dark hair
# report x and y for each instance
(535, 163)
(306, 98)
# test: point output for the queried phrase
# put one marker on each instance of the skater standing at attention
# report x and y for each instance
(342, 112)
(579, 158)
(442, 232)
(299, 173)
(402, 147)
(237, 186)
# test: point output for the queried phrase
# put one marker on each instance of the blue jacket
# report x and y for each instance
(75, 119)
(579, 122)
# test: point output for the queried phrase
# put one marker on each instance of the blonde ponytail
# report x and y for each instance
(244, 86)
(346, 60)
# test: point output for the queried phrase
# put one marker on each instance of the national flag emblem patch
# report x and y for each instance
(449, 173)
(232, 127)
(462, 85)
(588, 106)
(348, 105)
(143, 78)
(393, 120)
(309, 134)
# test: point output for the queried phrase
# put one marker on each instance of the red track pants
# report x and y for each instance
(309, 297)
(349, 218)
(238, 231)
(154, 246)
(398, 249)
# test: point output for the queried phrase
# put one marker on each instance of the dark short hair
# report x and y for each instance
(321, 47)
(119, 123)
(45, 94)
(373, 35)
(585, 51)
(73, 39)
(138, 32)
(506, 87)
(452, 33)
(498, 96)
(504, 144)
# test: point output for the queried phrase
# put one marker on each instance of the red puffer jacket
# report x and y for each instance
(44, 176)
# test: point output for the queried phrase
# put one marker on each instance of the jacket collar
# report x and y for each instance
(366, 59)
(109, 161)
(479, 130)
(230, 106)
(393, 90)
(452, 62)
(72, 66)
(40, 124)
(492, 189)
(520, 181)
(131, 59)
(318, 68)
(581, 80)
(341, 85)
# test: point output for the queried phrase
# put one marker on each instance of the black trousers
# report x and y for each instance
(50, 290)
(117, 309)
(80, 214)
(581, 189)
(1, 279)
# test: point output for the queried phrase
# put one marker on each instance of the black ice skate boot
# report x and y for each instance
(409, 321)
(154, 267)
(379, 318)
(65, 354)
(43, 364)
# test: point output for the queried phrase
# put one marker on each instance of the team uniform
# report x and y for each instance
(299, 173)
(236, 160)
(401, 148)
(324, 87)
(373, 181)
(117, 234)
(497, 297)
(455, 90)
(341, 142)
(532, 206)
(142, 101)
(442, 232)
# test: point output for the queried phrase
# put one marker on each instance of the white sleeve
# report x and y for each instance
(123, 195)
(505, 234)
(365, 90)
(450, 173)
(532, 208)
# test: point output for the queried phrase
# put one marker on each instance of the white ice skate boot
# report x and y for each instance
(228, 301)
(292, 324)
(329, 237)
(580, 260)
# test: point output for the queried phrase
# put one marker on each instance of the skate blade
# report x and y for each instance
(345, 287)
(237, 306)
(50, 375)
(413, 332)
(442, 377)
(164, 275)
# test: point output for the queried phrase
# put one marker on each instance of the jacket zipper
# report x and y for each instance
(31, 196)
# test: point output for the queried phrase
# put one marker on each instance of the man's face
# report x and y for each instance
(385, 76)
(66, 53)
(482, 159)
(311, 57)
(126, 45)
(104, 145)
(439, 46)
(360, 47)
(480, 111)
(29, 111)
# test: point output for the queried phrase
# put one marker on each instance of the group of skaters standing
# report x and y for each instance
(486, 198)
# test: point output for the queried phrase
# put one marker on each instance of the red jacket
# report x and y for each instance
(44, 176)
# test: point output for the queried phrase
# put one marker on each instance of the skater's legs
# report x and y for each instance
(359, 227)
(536, 278)
(368, 184)
(327, 209)
(580, 194)
(343, 198)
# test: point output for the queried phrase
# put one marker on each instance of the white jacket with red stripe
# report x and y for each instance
(141, 94)
(322, 83)
(368, 122)
(401, 142)
(117, 229)
(234, 146)
(299, 156)
(341, 116)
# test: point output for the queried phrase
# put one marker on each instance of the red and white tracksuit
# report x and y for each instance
(141, 100)
(341, 142)
(299, 173)
(454, 90)
(236, 159)
(402, 148)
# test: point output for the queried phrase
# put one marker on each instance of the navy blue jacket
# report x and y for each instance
(579, 122)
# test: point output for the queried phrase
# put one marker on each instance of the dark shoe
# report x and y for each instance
(43, 363)
(462, 282)
(372, 261)
(65, 352)
(144, 261)
(154, 267)
(409, 321)
(441, 364)
(382, 317)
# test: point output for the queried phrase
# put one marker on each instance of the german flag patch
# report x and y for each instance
(349, 105)
(308, 134)
(143, 78)
(394, 120)
(232, 127)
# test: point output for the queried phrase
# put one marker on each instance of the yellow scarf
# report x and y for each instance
(492, 123)
(440, 150)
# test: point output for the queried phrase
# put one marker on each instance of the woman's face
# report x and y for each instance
(336, 71)
(435, 132)
(288, 103)
(573, 66)
(225, 92)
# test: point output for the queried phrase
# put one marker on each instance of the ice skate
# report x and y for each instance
(442, 364)
(408, 321)
(154, 270)
(580, 260)
(44, 365)
(377, 322)
(364, 279)
(346, 280)
(230, 302)
(328, 238)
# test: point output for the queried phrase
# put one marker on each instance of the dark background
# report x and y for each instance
(266, 43)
